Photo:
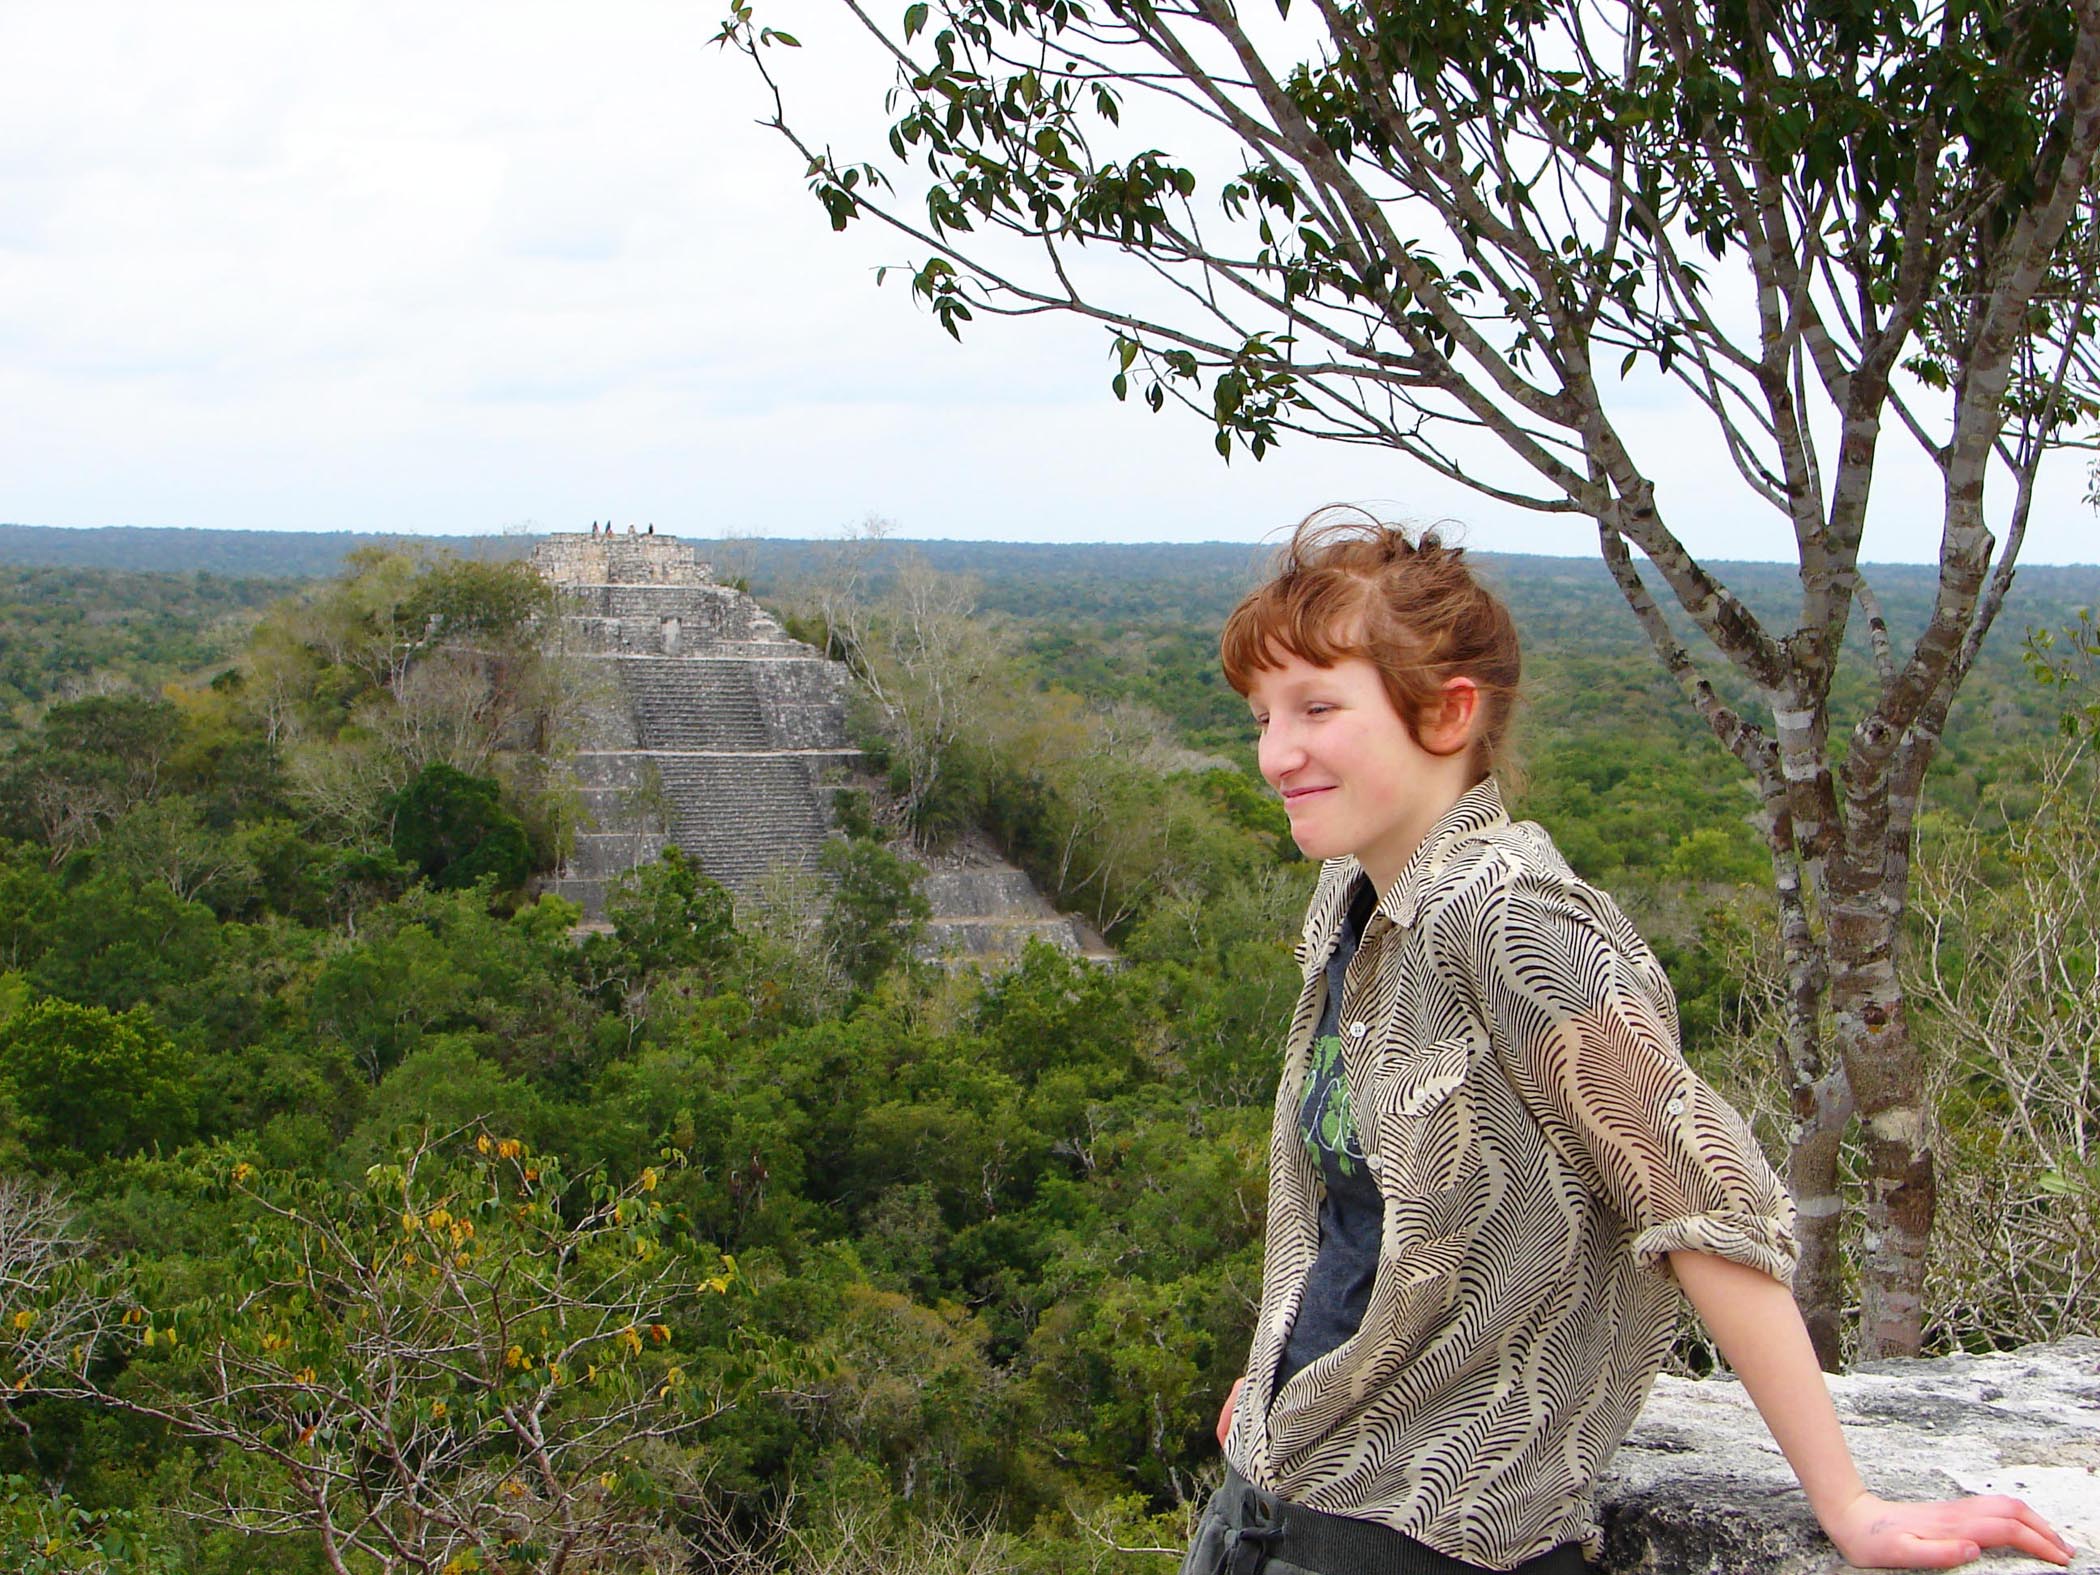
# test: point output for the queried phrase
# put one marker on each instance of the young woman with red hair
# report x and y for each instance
(1491, 1172)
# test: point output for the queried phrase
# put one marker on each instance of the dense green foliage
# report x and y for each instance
(937, 1260)
(65, 632)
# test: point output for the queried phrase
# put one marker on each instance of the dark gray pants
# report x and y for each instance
(1246, 1531)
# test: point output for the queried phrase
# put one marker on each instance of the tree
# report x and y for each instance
(467, 1362)
(90, 1083)
(93, 759)
(1443, 230)
(167, 840)
(2008, 930)
(668, 915)
(876, 911)
(925, 657)
(57, 1313)
(403, 663)
(48, 1534)
(454, 829)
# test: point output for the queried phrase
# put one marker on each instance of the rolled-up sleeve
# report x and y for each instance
(1585, 1024)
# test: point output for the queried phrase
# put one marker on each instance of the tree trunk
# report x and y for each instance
(1872, 1035)
(1821, 1102)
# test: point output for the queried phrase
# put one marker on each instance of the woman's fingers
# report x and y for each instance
(2002, 1522)
(1942, 1535)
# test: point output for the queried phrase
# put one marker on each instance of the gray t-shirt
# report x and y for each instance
(1338, 1286)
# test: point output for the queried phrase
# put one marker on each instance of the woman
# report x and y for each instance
(1491, 1171)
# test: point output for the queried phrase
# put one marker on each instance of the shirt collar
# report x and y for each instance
(1478, 809)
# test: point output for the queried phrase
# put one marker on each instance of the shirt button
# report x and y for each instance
(1675, 1106)
(1374, 1162)
(1358, 1029)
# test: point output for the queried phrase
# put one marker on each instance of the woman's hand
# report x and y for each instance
(1232, 1401)
(1877, 1534)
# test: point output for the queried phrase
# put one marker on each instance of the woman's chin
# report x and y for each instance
(1317, 849)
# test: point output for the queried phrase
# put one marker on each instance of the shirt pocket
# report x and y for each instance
(1417, 1118)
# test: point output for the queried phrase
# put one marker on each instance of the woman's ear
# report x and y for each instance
(1447, 725)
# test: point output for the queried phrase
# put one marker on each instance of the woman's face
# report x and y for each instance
(1353, 778)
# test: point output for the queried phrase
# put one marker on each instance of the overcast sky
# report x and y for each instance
(455, 268)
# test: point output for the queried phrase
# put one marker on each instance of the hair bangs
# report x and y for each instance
(1315, 616)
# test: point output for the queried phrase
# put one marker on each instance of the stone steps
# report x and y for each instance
(744, 817)
(680, 703)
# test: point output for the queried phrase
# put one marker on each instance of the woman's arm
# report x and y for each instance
(1753, 1319)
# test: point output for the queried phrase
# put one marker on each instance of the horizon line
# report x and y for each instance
(504, 533)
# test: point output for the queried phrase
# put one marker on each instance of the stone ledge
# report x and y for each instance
(1699, 1488)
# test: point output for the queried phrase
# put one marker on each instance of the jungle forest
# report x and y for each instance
(358, 1213)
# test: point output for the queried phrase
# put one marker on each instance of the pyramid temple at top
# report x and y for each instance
(705, 724)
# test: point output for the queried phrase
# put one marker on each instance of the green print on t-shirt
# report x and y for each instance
(1325, 1120)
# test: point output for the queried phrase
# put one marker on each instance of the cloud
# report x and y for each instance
(397, 266)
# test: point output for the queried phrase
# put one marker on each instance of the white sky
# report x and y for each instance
(452, 268)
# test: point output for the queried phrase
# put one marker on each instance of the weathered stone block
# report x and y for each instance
(1699, 1488)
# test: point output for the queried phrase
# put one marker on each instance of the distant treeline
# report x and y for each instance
(1553, 597)
(270, 554)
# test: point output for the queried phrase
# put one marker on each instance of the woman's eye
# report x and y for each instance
(1318, 710)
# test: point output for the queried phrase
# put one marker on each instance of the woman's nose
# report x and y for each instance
(1278, 753)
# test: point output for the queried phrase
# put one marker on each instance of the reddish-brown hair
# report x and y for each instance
(1347, 584)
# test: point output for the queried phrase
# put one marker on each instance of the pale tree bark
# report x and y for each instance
(1434, 236)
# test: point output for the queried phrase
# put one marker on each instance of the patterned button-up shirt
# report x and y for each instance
(1541, 1145)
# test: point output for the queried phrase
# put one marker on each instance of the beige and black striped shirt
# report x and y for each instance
(1540, 1145)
